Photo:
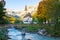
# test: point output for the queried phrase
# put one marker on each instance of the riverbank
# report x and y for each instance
(34, 30)
(30, 29)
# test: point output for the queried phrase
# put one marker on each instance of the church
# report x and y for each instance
(27, 19)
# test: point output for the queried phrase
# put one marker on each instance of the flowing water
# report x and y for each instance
(15, 34)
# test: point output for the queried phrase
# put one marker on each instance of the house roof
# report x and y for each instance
(28, 15)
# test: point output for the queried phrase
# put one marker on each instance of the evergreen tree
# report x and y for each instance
(2, 13)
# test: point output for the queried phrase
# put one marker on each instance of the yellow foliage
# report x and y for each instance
(12, 22)
(44, 9)
(4, 17)
(12, 19)
(35, 15)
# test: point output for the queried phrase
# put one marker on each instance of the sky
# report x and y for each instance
(20, 4)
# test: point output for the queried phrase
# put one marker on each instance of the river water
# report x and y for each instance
(15, 34)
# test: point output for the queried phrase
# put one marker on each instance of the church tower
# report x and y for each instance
(25, 7)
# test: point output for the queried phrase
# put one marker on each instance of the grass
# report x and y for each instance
(32, 28)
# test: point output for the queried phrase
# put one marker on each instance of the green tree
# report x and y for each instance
(2, 13)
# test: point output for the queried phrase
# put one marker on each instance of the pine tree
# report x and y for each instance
(2, 13)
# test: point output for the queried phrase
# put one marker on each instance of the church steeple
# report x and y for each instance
(25, 7)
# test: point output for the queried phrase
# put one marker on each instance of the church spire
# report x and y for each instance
(25, 7)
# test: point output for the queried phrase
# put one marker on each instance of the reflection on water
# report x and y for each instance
(15, 34)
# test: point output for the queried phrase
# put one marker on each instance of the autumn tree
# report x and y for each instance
(50, 9)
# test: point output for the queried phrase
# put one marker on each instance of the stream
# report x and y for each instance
(15, 34)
